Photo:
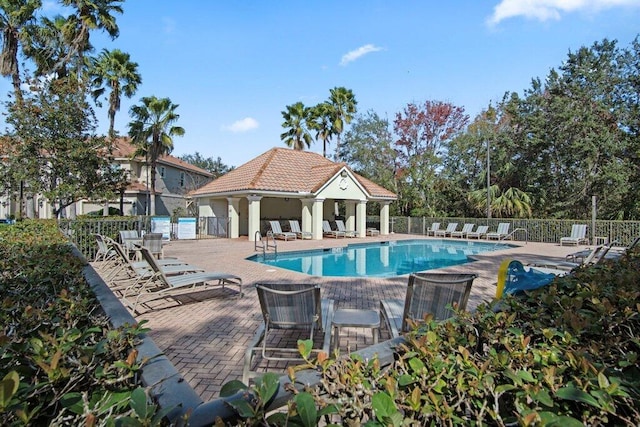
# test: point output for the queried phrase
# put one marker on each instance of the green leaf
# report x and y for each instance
(244, 409)
(383, 405)
(73, 402)
(306, 409)
(231, 388)
(526, 376)
(138, 402)
(577, 395)
(267, 386)
(405, 380)
(543, 397)
(416, 364)
(304, 348)
(8, 387)
(551, 419)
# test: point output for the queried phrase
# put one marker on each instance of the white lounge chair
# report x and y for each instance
(481, 231)
(578, 235)
(295, 228)
(451, 227)
(279, 234)
(595, 256)
(327, 231)
(463, 233)
(501, 233)
(341, 227)
(160, 285)
(434, 227)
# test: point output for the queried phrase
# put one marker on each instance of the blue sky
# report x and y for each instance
(233, 66)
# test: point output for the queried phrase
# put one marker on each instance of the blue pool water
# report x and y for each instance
(379, 259)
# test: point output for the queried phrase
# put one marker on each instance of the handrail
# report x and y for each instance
(258, 238)
(274, 245)
(526, 235)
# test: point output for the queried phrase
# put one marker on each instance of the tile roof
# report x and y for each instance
(123, 149)
(287, 171)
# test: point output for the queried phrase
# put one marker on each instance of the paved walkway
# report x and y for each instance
(205, 337)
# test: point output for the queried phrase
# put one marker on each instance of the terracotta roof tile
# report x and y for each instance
(287, 171)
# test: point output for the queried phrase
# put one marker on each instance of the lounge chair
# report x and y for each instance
(434, 227)
(432, 293)
(279, 234)
(481, 231)
(501, 233)
(341, 227)
(614, 251)
(160, 285)
(327, 231)
(295, 228)
(596, 255)
(451, 227)
(104, 254)
(288, 306)
(578, 235)
(463, 233)
(372, 232)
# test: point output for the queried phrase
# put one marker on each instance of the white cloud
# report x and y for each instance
(243, 125)
(357, 53)
(544, 10)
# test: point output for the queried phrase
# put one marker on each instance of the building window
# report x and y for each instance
(181, 179)
(162, 171)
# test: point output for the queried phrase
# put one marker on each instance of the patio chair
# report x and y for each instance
(434, 227)
(433, 293)
(161, 285)
(451, 227)
(279, 234)
(614, 251)
(153, 242)
(327, 231)
(129, 238)
(578, 235)
(341, 227)
(104, 254)
(291, 307)
(295, 228)
(463, 233)
(481, 231)
(501, 233)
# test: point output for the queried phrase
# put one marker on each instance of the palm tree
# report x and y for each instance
(15, 15)
(321, 121)
(152, 131)
(344, 104)
(114, 69)
(49, 46)
(296, 120)
(89, 15)
(512, 202)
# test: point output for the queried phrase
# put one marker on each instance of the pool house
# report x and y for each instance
(285, 184)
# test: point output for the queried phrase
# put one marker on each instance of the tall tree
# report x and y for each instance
(15, 15)
(321, 120)
(114, 70)
(423, 133)
(343, 103)
(89, 15)
(216, 166)
(152, 131)
(296, 121)
(49, 46)
(56, 152)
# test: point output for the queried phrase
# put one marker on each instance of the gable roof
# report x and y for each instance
(288, 171)
(123, 149)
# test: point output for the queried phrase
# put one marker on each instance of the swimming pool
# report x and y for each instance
(379, 259)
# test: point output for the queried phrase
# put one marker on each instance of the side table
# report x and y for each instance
(354, 318)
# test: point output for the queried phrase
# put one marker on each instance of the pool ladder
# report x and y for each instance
(526, 235)
(269, 242)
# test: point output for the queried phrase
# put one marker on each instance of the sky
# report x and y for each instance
(233, 67)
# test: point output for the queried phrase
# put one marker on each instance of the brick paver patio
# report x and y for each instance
(205, 337)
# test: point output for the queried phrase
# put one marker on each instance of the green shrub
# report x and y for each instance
(60, 360)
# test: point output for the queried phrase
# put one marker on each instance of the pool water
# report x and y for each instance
(379, 259)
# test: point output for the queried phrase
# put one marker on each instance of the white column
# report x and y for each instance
(361, 217)
(350, 214)
(254, 216)
(233, 210)
(384, 217)
(307, 216)
(317, 213)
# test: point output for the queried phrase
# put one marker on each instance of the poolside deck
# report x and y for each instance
(206, 336)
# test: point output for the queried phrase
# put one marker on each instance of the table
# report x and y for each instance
(355, 318)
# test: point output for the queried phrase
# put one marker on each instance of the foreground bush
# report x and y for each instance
(60, 361)
(566, 354)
